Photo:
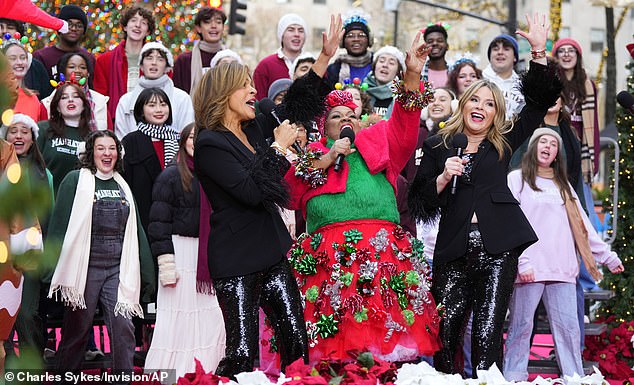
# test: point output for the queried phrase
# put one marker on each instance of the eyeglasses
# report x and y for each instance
(75, 26)
(567, 51)
(359, 35)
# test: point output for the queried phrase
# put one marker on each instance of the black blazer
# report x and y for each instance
(247, 233)
(141, 167)
(501, 221)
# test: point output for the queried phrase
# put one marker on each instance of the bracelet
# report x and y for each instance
(538, 54)
(412, 100)
(278, 149)
(304, 169)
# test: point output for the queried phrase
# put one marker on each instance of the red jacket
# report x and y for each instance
(385, 146)
(111, 76)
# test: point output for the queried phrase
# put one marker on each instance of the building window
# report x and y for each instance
(316, 36)
(597, 39)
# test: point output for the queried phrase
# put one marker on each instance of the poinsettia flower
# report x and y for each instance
(383, 370)
(199, 377)
(298, 368)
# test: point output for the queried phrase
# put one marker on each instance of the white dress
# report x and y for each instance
(188, 324)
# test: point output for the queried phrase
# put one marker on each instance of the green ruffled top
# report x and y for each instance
(367, 196)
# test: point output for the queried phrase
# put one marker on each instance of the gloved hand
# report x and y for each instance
(167, 270)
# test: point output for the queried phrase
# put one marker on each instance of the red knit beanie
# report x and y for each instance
(566, 41)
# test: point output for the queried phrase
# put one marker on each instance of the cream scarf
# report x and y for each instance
(69, 278)
(197, 63)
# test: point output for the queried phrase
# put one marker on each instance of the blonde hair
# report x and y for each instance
(496, 132)
(212, 94)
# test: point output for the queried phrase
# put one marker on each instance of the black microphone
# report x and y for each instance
(345, 133)
(626, 100)
(459, 142)
(267, 106)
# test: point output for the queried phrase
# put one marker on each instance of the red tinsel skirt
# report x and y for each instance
(366, 286)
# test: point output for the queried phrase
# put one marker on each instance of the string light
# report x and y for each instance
(174, 23)
(622, 284)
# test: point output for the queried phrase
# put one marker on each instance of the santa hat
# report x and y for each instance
(24, 119)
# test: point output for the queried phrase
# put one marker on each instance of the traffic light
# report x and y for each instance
(215, 3)
(235, 18)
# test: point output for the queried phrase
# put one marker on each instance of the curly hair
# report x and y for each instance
(452, 77)
(87, 158)
(145, 13)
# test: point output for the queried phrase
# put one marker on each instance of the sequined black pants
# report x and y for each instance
(481, 282)
(275, 290)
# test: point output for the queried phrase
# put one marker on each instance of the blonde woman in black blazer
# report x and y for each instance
(482, 228)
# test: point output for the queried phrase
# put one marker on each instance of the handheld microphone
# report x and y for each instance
(626, 100)
(459, 142)
(345, 133)
(267, 106)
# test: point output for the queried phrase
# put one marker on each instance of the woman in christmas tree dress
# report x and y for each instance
(364, 279)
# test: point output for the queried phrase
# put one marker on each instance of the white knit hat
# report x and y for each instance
(391, 50)
(24, 119)
(223, 54)
(289, 19)
(158, 46)
(546, 131)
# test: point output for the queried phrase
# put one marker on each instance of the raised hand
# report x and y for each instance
(332, 39)
(416, 56)
(537, 34)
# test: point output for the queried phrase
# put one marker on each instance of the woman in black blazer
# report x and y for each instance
(242, 177)
(482, 228)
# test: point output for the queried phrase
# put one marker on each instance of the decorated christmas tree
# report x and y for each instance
(174, 21)
(622, 305)
(614, 349)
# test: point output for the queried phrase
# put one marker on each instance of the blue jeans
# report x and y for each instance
(559, 300)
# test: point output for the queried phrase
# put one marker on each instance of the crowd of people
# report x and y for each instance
(320, 196)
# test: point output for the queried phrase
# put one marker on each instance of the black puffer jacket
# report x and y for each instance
(173, 211)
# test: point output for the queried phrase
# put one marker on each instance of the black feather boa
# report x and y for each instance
(541, 87)
(304, 101)
(267, 171)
